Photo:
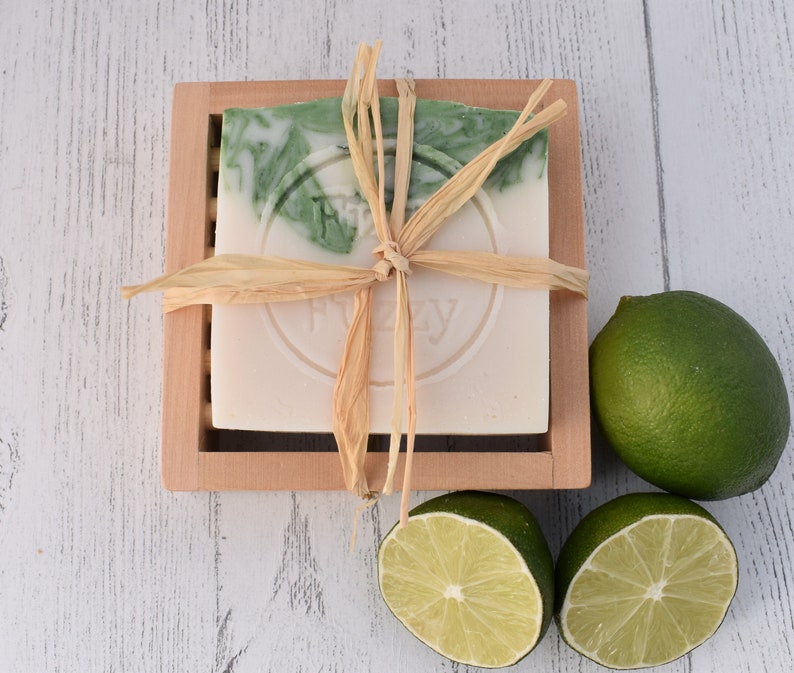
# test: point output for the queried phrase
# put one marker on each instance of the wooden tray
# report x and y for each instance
(196, 457)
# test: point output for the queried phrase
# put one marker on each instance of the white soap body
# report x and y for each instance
(482, 352)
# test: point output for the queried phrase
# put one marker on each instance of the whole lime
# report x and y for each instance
(689, 395)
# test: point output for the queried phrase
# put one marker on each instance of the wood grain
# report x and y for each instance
(686, 151)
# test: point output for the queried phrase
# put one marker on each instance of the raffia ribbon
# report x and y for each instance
(243, 279)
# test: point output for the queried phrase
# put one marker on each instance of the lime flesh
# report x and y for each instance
(464, 589)
(650, 592)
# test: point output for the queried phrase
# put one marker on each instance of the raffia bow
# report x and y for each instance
(241, 279)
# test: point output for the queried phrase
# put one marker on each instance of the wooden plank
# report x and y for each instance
(184, 332)
(723, 99)
(568, 437)
(313, 471)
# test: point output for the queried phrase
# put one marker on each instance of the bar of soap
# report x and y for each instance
(286, 188)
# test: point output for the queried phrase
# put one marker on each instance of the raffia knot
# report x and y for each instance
(390, 258)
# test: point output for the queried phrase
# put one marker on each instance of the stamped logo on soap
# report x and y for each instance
(451, 316)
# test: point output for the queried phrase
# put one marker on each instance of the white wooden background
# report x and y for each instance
(687, 147)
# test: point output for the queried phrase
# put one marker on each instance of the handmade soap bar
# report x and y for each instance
(286, 188)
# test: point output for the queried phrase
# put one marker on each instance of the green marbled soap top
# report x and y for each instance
(260, 146)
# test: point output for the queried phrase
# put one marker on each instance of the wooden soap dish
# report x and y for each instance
(195, 456)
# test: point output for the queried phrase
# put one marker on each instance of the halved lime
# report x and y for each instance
(471, 576)
(643, 580)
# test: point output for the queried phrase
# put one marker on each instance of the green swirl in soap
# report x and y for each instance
(260, 146)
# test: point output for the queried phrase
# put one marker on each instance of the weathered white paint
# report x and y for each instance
(687, 166)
